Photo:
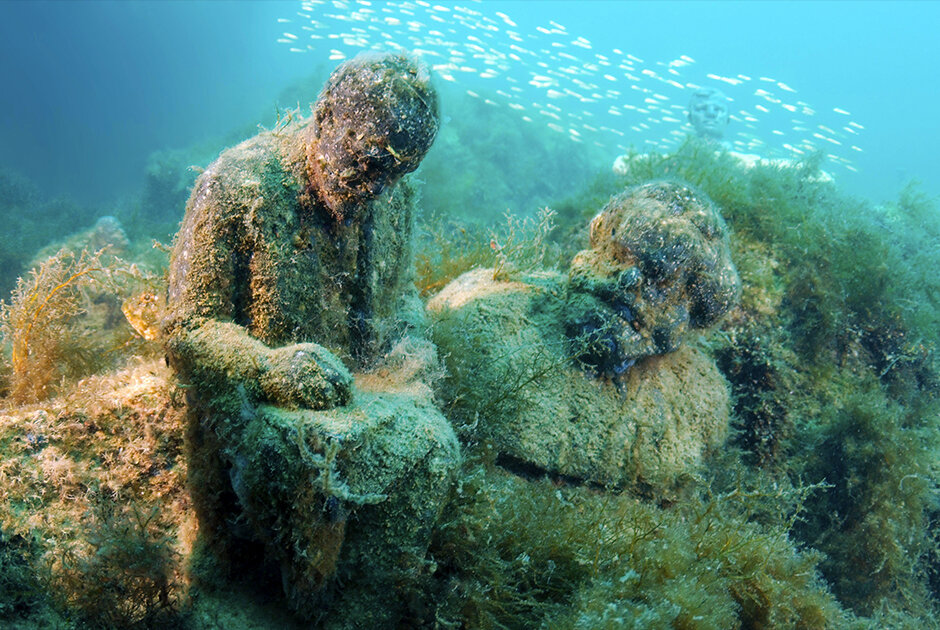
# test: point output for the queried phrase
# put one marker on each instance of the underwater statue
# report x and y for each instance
(589, 376)
(659, 266)
(292, 272)
(709, 115)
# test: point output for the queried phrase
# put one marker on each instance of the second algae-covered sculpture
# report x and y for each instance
(586, 375)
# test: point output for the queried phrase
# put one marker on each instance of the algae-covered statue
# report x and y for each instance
(589, 375)
(709, 115)
(293, 271)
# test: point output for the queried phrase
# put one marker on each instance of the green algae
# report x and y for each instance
(832, 362)
(529, 554)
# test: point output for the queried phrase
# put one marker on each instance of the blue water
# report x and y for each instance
(90, 89)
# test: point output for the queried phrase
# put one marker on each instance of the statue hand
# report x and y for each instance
(306, 375)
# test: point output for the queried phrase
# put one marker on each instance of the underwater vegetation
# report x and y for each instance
(127, 574)
(94, 504)
(821, 511)
(70, 315)
(516, 245)
(614, 561)
(832, 362)
(836, 388)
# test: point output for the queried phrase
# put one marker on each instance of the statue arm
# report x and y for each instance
(222, 357)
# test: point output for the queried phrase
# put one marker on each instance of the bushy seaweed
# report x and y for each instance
(64, 319)
(527, 554)
(94, 503)
(20, 591)
(879, 459)
(521, 245)
(122, 574)
(446, 248)
(516, 245)
(34, 323)
(760, 380)
(831, 358)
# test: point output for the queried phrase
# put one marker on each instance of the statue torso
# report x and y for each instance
(283, 267)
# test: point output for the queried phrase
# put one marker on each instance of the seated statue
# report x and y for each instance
(589, 376)
(292, 272)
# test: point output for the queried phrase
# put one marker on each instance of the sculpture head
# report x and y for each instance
(373, 122)
(659, 266)
(709, 113)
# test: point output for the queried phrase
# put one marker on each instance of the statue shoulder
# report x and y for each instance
(241, 174)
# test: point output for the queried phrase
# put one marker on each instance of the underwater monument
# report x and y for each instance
(706, 397)
(294, 239)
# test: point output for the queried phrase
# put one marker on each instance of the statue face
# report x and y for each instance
(375, 119)
(709, 114)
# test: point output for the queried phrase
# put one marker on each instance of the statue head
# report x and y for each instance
(709, 113)
(373, 122)
(659, 266)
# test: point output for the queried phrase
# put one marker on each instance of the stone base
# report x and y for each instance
(343, 499)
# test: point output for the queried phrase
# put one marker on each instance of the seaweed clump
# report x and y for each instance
(518, 553)
(95, 506)
(879, 461)
(20, 589)
(34, 321)
(125, 573)
(64, 320)
(445, 249)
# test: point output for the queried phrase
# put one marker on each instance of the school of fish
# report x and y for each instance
(612, 98)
